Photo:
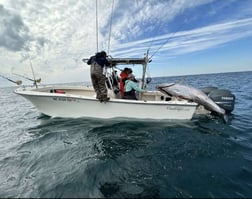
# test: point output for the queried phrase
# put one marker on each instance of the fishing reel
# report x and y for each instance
(37, 80)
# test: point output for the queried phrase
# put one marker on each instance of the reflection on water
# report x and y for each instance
(129, 159)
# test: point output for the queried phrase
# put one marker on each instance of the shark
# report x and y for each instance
(192, 94)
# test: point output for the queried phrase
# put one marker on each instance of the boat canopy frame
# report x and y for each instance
(128, 61)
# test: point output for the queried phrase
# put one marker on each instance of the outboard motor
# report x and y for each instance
(208, 89)
(223, 98)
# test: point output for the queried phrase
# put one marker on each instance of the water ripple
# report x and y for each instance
(55, 158)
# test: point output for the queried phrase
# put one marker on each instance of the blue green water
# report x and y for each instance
(59, 158)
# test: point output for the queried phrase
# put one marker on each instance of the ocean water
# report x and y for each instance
(60, 158)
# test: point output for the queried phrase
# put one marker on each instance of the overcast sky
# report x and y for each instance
(184, 36)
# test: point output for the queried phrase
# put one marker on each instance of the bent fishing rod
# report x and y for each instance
(18, 82)
(25, 77)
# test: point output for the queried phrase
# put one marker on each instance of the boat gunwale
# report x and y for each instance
(114, 100)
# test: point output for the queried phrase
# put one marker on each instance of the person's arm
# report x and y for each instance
(106, 62)
(102, 61)
(136, 87)
(89, 62)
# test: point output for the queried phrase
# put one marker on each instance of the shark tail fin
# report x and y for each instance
(225, 118)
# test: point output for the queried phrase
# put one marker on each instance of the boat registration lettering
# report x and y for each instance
(64, 99)
(177, 108)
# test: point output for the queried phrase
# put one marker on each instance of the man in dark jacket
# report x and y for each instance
(97, 63)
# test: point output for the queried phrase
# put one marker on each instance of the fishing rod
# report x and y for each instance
(34, 80)
(25, 77)
(18, 82)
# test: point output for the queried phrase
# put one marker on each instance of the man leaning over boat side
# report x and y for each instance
(131, 87)
(98, 78)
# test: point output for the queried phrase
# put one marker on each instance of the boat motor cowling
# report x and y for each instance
(208, 89)
(223, 98)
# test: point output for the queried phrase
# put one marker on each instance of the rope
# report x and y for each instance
(157, 30)
(167, 40)
(112, 11)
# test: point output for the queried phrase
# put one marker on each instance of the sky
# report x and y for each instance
(182, 37)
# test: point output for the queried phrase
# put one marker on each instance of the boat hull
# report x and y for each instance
(76, 106)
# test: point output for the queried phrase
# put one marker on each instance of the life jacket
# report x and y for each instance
(123, 77)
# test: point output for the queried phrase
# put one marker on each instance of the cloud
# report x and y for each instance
(58, 34)
(63, 29)
(183, 42)
(145, 18)
(14, 34)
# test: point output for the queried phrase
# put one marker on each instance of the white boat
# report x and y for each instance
(80, 101)
(168, 102)
(77, 101)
